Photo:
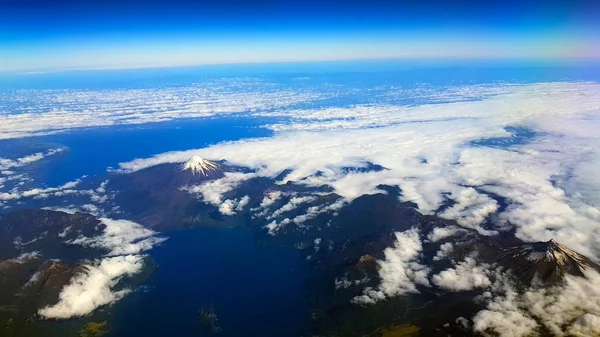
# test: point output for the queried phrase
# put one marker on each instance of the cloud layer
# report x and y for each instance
(462, 152)
(41, 112)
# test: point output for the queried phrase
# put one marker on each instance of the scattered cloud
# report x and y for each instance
(587, 325)
(231, 207)
(569, 308)
(121, 237)
(400, 271)
(6, 164)
(42, 112)
(465, 275)
(311, 212)
(445, 250)
(268, 200)
(65, 189)
(274, 226)
(441, 233)
(24, 257)
(292, 204)
(471, 208)
(212, 191)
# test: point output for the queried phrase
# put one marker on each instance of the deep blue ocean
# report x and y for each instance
(254, 291)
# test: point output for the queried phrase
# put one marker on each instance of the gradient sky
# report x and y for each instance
(86, 34)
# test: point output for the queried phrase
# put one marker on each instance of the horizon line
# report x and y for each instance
(449, 59)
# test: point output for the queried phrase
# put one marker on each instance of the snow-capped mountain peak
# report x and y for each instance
(551, 251)
(199, 165)
(548, 261)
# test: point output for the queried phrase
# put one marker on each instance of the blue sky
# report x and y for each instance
(73, 34)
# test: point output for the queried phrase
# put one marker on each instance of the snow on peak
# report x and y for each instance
(199, 165)
(552, 251)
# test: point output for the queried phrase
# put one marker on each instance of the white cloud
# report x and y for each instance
(427, 151)
(6, 164)
(445, 250)
(504, 318)
(291, 205)
(227, 207)
(465, 275)
(94, 287)
(33, 279)
(587, 325)
(568, 308)
(440, 233)
(121, 237)
(270, 198)
(230, 207)
(26, 256)
(69, 210)
(242, 203)
(471, 208)
(43, 112)
(212, 191)
(541, 209)
(273, 227)
(64, 189)
(400, 271)
(314, 211)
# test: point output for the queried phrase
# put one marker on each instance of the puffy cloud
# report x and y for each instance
(540, 208)
(445, 250)
(399, 271)
(227, 207)
(94, 287)
(270, 198)
(471, 208)
(504, 318)
(587, 325)
(121, 237)
(273, 227)
(242, 203)
(440, 233)
(230, 207)
(212, 191)
(568, 308)
(465, 275)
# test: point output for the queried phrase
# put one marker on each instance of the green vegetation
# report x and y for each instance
(94, 329)
(401, 331)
